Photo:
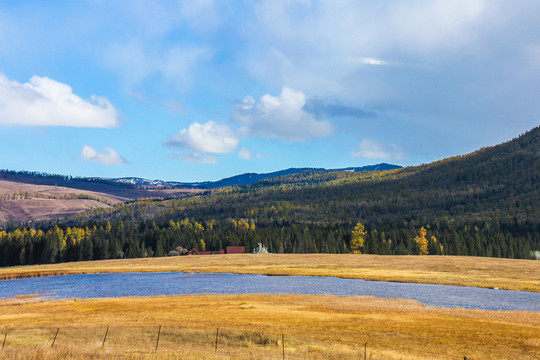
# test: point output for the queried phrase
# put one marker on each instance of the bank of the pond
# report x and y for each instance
(508, 274)
(88, 286)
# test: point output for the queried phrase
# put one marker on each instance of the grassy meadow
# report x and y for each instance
(448, 270)
(251, 327)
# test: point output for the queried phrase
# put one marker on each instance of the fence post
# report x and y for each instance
(217, 334)
(283, 345)
(4, 343)
(105, 338)
(159, 333)
(55, 335)
(365, 351)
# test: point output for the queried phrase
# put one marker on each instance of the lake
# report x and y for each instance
(177, 283)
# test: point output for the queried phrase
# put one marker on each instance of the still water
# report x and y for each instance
(178, 283)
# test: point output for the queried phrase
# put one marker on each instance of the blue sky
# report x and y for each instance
(202, 90)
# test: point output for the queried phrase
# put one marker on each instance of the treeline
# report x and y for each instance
(119, 239)
(39, 174)
(62, 179)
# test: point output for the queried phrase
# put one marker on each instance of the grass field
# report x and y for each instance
(449, 270)
(251, 327)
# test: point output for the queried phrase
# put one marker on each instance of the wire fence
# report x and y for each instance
(156, 339)
(143, 340)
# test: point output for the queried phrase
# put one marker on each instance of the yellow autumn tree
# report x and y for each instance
(422, 242)
(202, 245)
(357, 239)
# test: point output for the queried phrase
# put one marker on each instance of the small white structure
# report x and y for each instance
(261, 249)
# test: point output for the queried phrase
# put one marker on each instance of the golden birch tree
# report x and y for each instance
(357, 239)
(422, 242)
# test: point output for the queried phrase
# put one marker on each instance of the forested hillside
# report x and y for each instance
(486, 203)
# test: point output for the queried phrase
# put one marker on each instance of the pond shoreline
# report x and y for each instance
(135, 284)
(504, 274)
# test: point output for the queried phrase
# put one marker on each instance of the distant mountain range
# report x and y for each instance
(242, 179)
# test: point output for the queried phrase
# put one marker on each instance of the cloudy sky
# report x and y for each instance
(201, 90)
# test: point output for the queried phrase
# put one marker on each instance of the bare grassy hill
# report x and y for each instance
(26, 198)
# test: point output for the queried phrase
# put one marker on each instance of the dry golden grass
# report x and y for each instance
(250, 327)
(449, 270)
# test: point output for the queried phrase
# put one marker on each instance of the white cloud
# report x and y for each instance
(415, 25)
(441, 24)
(209, 137)
(198, 158)
(280, 49)
(374, 61)
(369, 149)
(162, 17)
(136, 61)
(202, 15)
(280, 117)
(108, 157)
(46, 102)
(248, 154)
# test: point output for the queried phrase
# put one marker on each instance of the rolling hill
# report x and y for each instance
(30, 196)
(486, 203)
(26, 196)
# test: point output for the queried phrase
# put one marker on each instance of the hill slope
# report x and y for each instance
(28, 196)
(486, 203)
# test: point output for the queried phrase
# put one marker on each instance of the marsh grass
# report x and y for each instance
(508, 274)
(250, 327)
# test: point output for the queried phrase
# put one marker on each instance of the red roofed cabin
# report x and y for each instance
(235, 250)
